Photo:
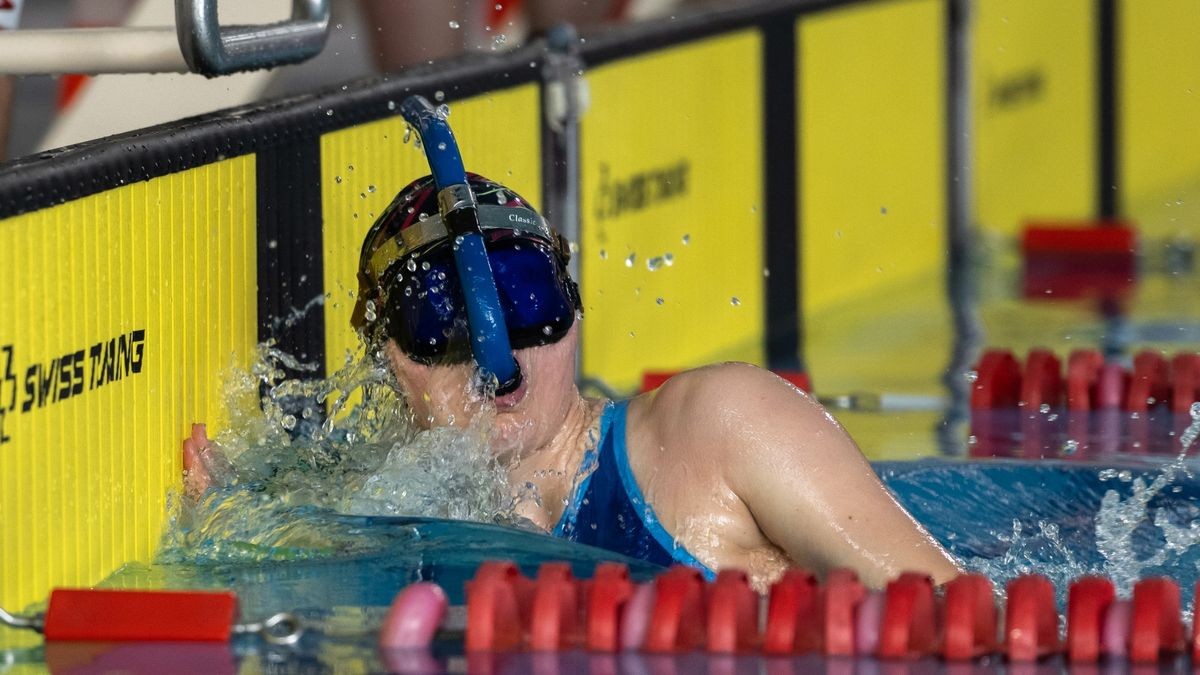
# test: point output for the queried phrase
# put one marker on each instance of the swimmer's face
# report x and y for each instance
(525, 420)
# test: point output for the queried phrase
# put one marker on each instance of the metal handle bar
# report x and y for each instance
(197, 43)
(213, 50)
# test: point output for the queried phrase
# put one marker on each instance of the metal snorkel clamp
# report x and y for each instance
(456, 203)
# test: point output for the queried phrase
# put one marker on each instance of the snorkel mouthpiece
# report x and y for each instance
(456, 203)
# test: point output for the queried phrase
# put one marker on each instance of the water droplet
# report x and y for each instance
(630, 260)
(411, 265)
(391, 105)
(425, 266)
(837, 234)
(883, 210)
(668, 259)
(337, 179)
(499, 41)
(454, 25)
(1044, 408)
(362, 195)
(687, 239)
(1195, 410)
(411, 209)
(439, 95)
(499, 6)
(350, 167)
(443, 111)
(546, 330)
(288, 422)
(274, 243)
(734, 301)
(603, 254)
(423, 216)
(654, 263)
(441, 146)
(659, 301)
(329, 112)
(971, 376)
(407, 133)
(1070, 447)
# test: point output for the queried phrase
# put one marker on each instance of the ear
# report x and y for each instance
(405, 370)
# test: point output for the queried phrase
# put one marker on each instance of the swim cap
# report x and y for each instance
(408, 284)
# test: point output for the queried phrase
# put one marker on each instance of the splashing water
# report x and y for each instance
(298, 450)
(1133, 533)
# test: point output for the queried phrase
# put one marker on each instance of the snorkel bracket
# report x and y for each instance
(490, 345)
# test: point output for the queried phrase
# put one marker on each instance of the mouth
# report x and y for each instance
(513, 399)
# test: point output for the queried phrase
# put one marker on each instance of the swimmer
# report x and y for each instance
(723, 466)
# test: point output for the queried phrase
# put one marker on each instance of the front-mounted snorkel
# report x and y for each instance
(456, 203)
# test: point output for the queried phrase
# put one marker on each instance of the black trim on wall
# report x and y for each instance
(290, 251)
(781, 181)
(697, 23)
(49, 178)
(1108, 189)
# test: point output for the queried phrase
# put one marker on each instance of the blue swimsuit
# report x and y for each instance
(608, 509)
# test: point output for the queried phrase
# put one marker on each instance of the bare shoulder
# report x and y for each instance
(722, 401)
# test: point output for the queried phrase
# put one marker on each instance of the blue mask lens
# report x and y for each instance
(425, 310)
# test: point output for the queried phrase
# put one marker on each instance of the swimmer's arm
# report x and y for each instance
(806, 484)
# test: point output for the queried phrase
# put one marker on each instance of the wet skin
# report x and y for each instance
(741, 467)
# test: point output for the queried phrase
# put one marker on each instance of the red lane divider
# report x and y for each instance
(1042, 383)
(1156, 628)
(793, 607)
(1030, 622)
(1148, 385)
(969, 618)
(997, 381)
(1185, 382)
(732, 614)
(677, 623)
(143, 616)
(843, 592)
(909, 626)
(607, 594)
(1087, 604)
(553, 616)
(497, 607)
(1083, 379)
(1090, 384)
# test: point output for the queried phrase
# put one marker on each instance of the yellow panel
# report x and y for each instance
(672, 168)
(122, 311)
(871, 102)
(1033, 105)
(1159, 89)
(363, 167)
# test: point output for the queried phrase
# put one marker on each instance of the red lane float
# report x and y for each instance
(678, 620)
(607, 594)
(1156, 628)
(997, 381)
(793, 606)
(732, 614)
(1148, 385)
(554, 609)
(497, 608)
(90, 615)
(843, 592)
(1185, 382)
(1030, 622)
(1083, 379)
(909, 626)
(1042, 381)
(1087, 604)
(969, 611)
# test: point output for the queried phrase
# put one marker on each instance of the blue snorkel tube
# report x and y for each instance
(456, 203)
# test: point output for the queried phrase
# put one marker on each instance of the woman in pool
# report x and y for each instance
(723, 466)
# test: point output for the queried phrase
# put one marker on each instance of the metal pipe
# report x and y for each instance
(91, 51)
